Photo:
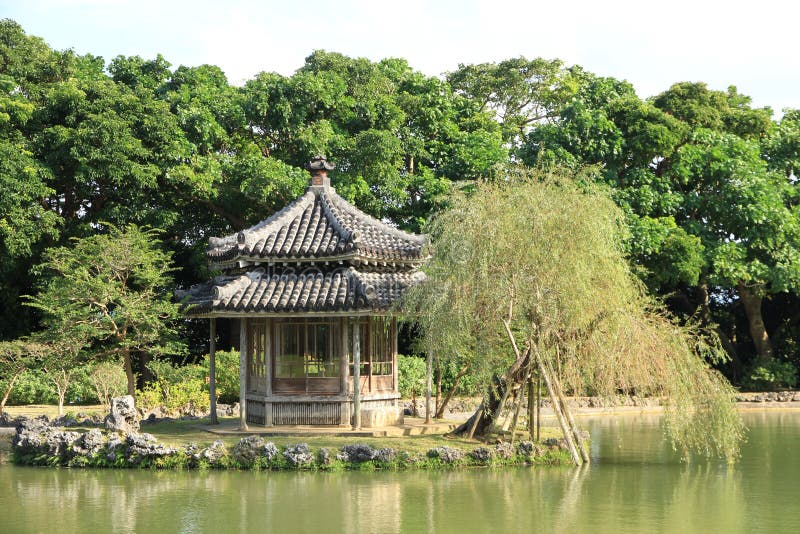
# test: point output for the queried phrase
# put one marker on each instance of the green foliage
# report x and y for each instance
(411, 372)
(107, 380)
(80, 389)
(105, 297)
(512, 263)
(176, 389)
(183, 397)
(669, 254)
(772, 375)
(467, 384)
(17, 359)
(36, 387)
(706, 181)
(227, 375)
(519, 92)
(32, 387)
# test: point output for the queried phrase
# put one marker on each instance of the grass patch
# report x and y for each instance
(51, 410)
(179, 432)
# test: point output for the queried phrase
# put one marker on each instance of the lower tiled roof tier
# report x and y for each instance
(312, 291)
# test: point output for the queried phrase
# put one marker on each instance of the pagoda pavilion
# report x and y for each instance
(314, 288)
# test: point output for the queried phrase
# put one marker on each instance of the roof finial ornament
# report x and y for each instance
(319, 167)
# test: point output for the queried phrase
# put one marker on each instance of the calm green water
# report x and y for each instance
(636, 484)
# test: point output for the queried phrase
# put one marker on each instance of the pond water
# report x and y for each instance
(636, 484)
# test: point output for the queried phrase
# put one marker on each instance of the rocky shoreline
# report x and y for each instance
(116, 441)
(38, 442)
(120, 444)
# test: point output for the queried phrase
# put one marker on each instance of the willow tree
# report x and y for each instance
(529, 276)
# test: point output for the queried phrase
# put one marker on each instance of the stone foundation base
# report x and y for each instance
(380, 417)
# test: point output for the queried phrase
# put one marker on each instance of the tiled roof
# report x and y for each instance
(318, 225)
(312, 291)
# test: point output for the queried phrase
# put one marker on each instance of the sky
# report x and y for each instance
(652, 44)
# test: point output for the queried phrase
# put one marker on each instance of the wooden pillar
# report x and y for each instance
(428, 384)
(243, 374)
(212, 368)
(268, 372)
(343, 356)
(356, 375)
(531, 408)
(395, 375)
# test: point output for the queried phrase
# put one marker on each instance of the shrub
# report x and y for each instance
(31, 387)
(107, 380)
(411, 375)
(227, 375)
(175, 389)
(772, 375)
(468, 384)
(80, 389)
(34, 387)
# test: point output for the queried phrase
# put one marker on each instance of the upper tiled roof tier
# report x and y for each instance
(313, 291)
(319, 225)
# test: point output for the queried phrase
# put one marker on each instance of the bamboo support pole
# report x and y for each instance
(571, 421)
(531, 408)
(576, 457)
(538, 407)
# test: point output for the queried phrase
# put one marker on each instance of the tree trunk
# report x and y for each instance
(478, 423)
(440, 407)
(705, 311)
(8, 391)
(498, 391)
(497, 396)
(61, 382)
(538, 407)
(428, 387)
(520, 397)
(477, 417)
(61, 395)
(751, 301)
(126, 360)
(438, 387)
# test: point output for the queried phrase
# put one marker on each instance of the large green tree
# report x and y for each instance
(520, 93)
(396, 135)
(107, 296)
(693, 168)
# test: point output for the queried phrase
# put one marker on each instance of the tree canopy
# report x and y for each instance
(707, 182)
(530, 271)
